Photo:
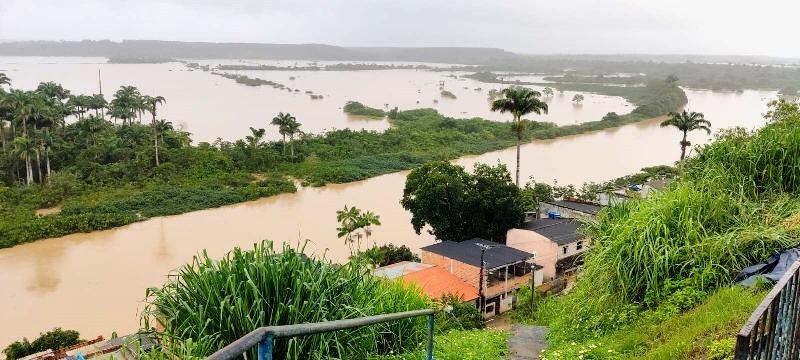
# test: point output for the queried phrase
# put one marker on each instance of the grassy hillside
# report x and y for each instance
(735, 204)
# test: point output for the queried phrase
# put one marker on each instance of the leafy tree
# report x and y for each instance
(548, 91)
(519, 101)
(52, 340)
(460, 206)
(578, 98)
(686, 122)
(671, 79)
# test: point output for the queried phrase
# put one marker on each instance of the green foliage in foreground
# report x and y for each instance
(735, 204)
(357, 108)
(463, 345)
(219, 301)
(705, 332)
(54, 339)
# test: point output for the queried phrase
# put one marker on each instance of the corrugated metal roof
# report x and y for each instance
(591, 209)
(560, 231)
(469, 252)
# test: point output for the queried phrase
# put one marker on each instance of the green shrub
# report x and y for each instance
(52, 340)
(221, 300)
(457, 314)
(386, 255)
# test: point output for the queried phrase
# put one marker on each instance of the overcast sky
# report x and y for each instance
(765, 27)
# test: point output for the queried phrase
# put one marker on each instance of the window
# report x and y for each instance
(565, 249)
(579, 246)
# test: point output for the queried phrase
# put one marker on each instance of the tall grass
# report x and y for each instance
(221, 300)
(669, 251)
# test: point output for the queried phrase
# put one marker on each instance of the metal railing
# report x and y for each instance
(773, 330)
(263, 337)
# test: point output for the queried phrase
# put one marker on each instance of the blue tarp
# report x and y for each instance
(772, 269)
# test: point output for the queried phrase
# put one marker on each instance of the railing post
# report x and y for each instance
(429, 352)
(265, 348)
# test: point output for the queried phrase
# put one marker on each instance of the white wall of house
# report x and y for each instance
(547, 251)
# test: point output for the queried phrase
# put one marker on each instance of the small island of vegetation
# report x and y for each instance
(357, 108)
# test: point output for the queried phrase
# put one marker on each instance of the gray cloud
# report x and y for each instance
(568, 26)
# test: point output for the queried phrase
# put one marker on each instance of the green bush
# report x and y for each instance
(457, 314)
(52, 340)
(222, 300)
(386, 255)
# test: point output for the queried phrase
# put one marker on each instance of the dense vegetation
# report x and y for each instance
(219, 301)
(104, 167)
(357, 108)
(459, 206)
(735, 204)
(54, 339)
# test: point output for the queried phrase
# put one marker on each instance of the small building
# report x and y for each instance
(557, 244)
(505, 269)
(433, 280)
(632, 191)
(568, 208)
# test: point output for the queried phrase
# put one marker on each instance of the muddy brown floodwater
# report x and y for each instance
(96, 282)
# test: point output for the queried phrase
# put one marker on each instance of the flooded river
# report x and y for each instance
(96, 282)
(211, 106)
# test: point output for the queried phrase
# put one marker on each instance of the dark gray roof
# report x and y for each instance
(577, 206)
(560, 231)
(469, 253)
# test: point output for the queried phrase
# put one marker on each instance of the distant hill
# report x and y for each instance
(208, 50)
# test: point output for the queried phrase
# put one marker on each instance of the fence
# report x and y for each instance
(773, 330)
(263, 337)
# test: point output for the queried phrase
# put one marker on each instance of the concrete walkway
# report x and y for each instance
(526, 342)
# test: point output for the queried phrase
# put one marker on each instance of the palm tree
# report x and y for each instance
(292, 128)
(24, 148)
(519, 101)
(366, 221)
(548, 91)
(686, 122)
(4, 80)
(348, 219)
(47, 141)
(160, 127)
(577, 98)
(98, 103)
(254, 140)
(151, 103)
(281, 120)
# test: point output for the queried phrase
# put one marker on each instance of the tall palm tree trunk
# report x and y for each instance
(291, 146)
(47, 159)
(39, 166)
(683, 146)
(3, 135)
(519, 142)
(28, 170)
(156, 143)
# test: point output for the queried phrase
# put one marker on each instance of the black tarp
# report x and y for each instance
(772, 269)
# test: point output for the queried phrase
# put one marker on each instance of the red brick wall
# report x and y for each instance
(466, 272)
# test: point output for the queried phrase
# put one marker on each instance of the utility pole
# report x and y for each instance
(481, 297)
